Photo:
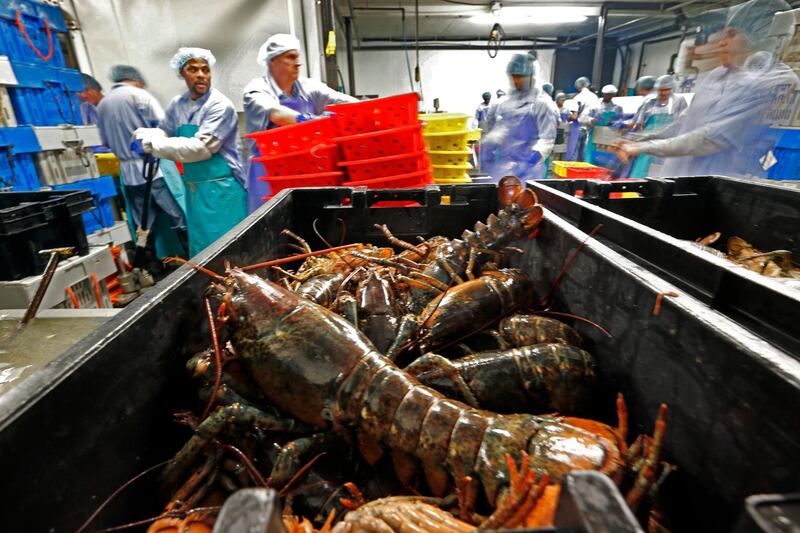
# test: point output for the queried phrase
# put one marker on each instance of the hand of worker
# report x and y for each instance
(573, 116)
(138, 148)
(305, 117)
(625, 149)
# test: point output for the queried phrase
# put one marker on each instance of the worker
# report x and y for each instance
(585, 100)
(483, 110)
(521, 127)
(280, 97)
(644, 85)
(562, 112)
(125, 109)
(129, 74)
(605, 111)
(660, 108)
(90, 96)
(548, 89)
(201, 130)
(724, 132)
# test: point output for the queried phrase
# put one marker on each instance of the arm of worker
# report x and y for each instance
(547, 132)
(699, 142)
(265, 108)
(150, 110)
(184, 149)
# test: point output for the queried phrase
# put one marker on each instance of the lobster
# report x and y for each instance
(535, 379)
(316, 366)
(526, 330)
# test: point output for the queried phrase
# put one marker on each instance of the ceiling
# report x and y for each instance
(447, 22)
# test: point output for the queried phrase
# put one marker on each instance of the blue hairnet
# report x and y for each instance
(665, 82)
(582, 82)
(548, 88)
(278, 44)
(125, 72)
(184, 55)
(754, 18)
(520, 65)
(486, 95)
(645, 82)
(90, 83)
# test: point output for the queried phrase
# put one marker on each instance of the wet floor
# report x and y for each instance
(42, 341)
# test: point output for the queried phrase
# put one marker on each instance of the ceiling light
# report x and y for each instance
(535, 15)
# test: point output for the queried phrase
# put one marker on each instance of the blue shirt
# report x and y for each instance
(214, 114)
(123, 110)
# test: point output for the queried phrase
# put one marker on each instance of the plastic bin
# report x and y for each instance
(103, 190)
(396, 141)
(294, 138)
(444, 122)
(46, 95)
(451, 172)
(787, 152)
(321, 179)
(381, 167)
(319, 158)
(657, 229)
(398, 181)
(108, 402)
(580, 170)
(55, 221)
(375, 115)
(17, 166)
(450, 140)
(453, 157)
(28, 32)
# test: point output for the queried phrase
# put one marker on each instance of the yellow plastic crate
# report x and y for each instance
(453, 181)
(449, 157)
(443, 122)
(449, 141)
(579, 170)
(107, 164)
(451, 172)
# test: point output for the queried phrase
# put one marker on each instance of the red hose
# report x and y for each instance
(24, 33)
(75, 303)
(97, 293)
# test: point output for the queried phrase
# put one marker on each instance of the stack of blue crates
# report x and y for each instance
(45, 95)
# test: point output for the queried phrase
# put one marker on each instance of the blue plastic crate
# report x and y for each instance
(103, 191)
(40, 23)
(45, 96)
(787, 152)
(17, 167)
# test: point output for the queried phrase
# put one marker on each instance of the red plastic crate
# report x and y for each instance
(319, 158)
(294, 138)
(396, 141)
(375, 115)
(400, 181)
(321, 179)
(381, 167)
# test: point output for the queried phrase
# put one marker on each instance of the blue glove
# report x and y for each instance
(534, 158)
(138, 148)
(305, 117)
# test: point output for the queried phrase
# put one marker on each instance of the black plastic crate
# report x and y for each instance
(655, 230)
(102, 412)
(33, 221)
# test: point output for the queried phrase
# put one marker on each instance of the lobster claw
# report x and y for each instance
(508, 188)
(511, 190)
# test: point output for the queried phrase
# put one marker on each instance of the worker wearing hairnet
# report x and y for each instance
(644, 85)
(90, 96)
(724, 131)
(605, 111)
(548, 89)
(201, 131)
(125, 109)
(280, 97)
(521, 126)
(482, 112)
(585, 100)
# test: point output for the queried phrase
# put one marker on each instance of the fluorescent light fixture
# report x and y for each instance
(536, 15)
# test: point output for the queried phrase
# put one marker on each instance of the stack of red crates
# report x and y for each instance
(381, 141)
(301, 155)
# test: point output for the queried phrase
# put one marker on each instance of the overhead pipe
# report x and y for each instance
(483, 47)
(351, 72)
(597, 64)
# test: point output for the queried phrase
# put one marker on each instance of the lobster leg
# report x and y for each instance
(449, 269)
(430, 363)
(409, 325)
(303, 244)
(289, 459)
(219, 421)
(349, 308)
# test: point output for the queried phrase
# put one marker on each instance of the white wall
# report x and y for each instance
(655, 63)
(146, 33)
(456, 77)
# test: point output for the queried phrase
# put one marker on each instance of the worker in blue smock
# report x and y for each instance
(201, 131)
(724, 131)
(657, 111)
(125, 109)
(644, 85)
(522, 126)
(482, 112)
(279, 98)
(602, 114)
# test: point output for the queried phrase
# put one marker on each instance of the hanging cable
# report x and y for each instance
(417, 76)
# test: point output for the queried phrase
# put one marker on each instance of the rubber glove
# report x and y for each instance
(534, 158)
(138, 148)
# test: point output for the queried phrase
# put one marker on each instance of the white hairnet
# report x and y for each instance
(278, 44)
(665, 82)
(609, 89)
(184, 54)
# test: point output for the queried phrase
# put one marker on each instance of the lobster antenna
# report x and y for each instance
(578, 317)
(197, 267)
(568, 263)
(217, 361)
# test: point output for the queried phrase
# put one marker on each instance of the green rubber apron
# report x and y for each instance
(215, 201)
(641, 166)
